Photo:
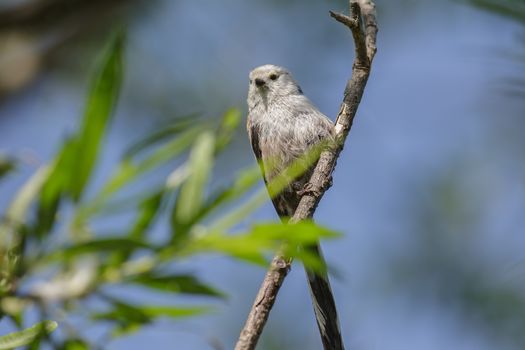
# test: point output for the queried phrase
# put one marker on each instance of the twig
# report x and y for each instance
(365, 49)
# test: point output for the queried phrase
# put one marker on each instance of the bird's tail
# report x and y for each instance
(324, 305)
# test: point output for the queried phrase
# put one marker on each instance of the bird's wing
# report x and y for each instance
(253, 135)
(281, 200)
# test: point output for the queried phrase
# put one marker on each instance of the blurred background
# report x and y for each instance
(429, 191)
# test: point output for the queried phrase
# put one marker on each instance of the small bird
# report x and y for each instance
(283, 125)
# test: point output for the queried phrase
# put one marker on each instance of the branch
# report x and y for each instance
(363, 25)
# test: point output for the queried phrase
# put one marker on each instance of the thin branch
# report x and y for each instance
(365, 48)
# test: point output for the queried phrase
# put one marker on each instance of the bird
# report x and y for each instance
(283, 125)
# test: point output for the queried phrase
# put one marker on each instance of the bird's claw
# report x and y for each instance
(308, 189)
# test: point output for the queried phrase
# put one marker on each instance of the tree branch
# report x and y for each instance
(363, 25)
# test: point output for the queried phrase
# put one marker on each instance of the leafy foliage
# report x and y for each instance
(514, 9)
(54, 260)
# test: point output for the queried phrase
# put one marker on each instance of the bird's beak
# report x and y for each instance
(260, 83)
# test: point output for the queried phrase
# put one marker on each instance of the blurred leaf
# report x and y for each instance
(191, 196)
(54, 188)
(514, 9)
(239, 212)
(260, 240)
(496, 304)
(148, 210)
(128, 170)
(26, 336)
(130, 318)
(244, 247)
(177, 284)
(99, 110)
(303, 232)
(244, 181)
(12, 237)
(182, 124)
(6, 165)
(278, 183)
(74, 344)
(17, 210)
(229, 123)
(75, 161)
(175, 311)
(102, 245)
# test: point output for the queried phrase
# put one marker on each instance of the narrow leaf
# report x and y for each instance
(26, 336)
(17, 210)
(76, 160)
(99, 110)
(181, 125)
(130, 318)
(6, 165)
(187, 284)
(304, 232)
(227, 128)
(175, 311)
(130, 169)
(75, 344)
(191, 195)
(102, 245)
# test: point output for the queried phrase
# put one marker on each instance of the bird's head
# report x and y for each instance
(270, 82)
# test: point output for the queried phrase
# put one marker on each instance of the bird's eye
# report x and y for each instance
(273, 76)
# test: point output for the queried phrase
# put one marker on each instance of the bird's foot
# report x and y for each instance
(308, 189)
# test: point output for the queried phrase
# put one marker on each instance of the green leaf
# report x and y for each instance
(303, 232)
(175, 311)
(12, 233)
(17, 210)
(244, 247)
(76, 160)
(148, 210)
(54, 188)
(103, 245)
(26, 336)
(6, 165)
(260, 240)
(99, 110)
(239, 212)
(182, 124)
(244, 181)
(229, 123)
(191, 196)
(297, 168)
(130, 170)
(130, 318)
(176, 284)
(75, 344)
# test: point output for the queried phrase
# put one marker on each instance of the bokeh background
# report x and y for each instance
(429, 191)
